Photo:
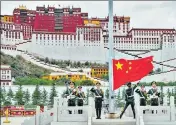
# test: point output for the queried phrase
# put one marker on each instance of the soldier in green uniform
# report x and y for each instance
(70, 94)
(154, 94)
(99, 95)
(153, 90)
(129, 98)
(80, 96)
(143, 95)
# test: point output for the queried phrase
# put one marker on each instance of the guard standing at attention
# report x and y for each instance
(154, 94)
(99, 95)
(80, 96)
(70, 93)
(143, 95)
(129, 98)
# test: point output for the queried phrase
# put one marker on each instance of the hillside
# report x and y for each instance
(21, 67)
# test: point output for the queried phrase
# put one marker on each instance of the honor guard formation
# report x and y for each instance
(77, 97)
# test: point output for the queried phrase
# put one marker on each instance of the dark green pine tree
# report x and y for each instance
(3, 95)
(19, 96)
(10, 97)
(52, 94)
(175, 94)
(44, 97)
(162, 94)
(107, 93)
(36, 96)
(168, 93)
(172, 93)
(27, 97)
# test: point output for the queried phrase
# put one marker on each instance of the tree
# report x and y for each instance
(86, 64)
(36, 96)
(75, 64)
(44, 97)
(175, 94)
(53, 61)
(87, 83)
(172, 93)
(27, 97)
(107, 93)
(162, 95)
(78, 64)
(168, 93)
(10, 96)
(158, 70)
(3, 95)
(52, 94)
(46, 60)
(19, 96)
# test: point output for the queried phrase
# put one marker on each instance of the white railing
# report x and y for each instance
(61, 113)
(165, 113)
(41, 118)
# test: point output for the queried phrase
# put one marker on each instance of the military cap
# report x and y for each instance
(79, 86)
(98, 83)
(71, 82)
(129, 83)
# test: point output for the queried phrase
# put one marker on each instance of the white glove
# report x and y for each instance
(74, 90)
(68, 97)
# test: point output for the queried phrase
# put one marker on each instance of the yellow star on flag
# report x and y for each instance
(119, 65)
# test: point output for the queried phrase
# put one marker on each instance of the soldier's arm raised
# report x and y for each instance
(92, 90)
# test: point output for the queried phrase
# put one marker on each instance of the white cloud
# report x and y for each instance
(144, 14)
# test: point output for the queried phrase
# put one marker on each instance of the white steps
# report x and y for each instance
(123, 121)
(160, 123)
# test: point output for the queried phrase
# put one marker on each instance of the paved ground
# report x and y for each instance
(13, 120)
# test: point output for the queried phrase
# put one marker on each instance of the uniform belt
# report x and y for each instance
(80, 98)
(131, 96)
(98, 96)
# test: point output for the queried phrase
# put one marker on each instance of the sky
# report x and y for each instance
(144, 14)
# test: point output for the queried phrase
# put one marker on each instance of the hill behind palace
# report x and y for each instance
(21, 68)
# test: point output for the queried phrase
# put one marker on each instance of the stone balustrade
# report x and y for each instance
(163, 113)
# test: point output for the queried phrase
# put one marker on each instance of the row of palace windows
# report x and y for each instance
(149, 33)
(5, 72)
(5, 83)
(58, 44)
(5, 77)
(133, 42)
(8, 48)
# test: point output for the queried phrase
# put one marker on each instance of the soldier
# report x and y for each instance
(80, 95)
(153, 90)
(129, 98)
(99, 95)
(143, 95)
(154, 94)
(70, 94)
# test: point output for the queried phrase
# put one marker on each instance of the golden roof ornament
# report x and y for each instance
(22, 7)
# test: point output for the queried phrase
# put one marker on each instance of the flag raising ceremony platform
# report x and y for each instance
(59, 115)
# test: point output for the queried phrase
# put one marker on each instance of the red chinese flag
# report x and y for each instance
(125, 71)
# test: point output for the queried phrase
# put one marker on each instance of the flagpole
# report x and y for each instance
(111, 56)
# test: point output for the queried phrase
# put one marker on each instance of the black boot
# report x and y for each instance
(79, 111)
(97, 113)
(121, 115)
(134, 114)
(70, 112)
